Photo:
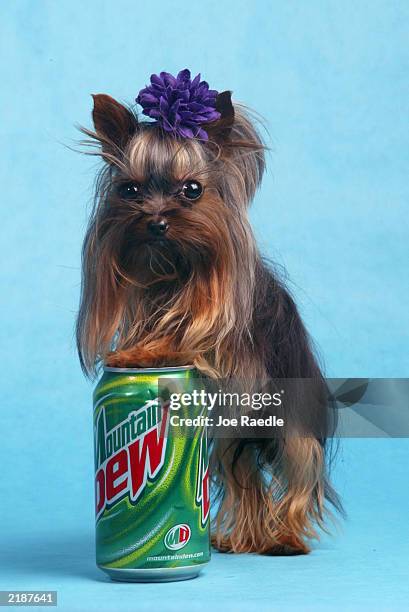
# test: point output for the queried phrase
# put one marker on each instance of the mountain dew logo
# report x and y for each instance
(177, 537)
(202, 482)
(129, 454)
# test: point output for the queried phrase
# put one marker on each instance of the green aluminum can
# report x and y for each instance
(151, 479)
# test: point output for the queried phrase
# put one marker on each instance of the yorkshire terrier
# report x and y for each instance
(172, 276)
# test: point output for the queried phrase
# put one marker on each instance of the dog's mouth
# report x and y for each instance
(160, 242)
(153, 259)
(148, 258)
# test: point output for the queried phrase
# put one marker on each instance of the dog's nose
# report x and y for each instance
(158, 228)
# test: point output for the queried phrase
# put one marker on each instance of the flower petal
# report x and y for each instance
(156, 80)
(186, 132)
(183, 75)
(202, 134)
(163, 105)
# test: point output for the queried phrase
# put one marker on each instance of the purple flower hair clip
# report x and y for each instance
(179, 104)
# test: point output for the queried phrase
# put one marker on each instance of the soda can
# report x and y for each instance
(151, 481)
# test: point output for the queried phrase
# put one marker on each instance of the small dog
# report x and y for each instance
(172, 275)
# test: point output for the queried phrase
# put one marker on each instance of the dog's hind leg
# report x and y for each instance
(269, 512)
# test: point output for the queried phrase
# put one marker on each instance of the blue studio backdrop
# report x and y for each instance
(330, 81)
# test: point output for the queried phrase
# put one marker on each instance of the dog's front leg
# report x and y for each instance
(158, 353)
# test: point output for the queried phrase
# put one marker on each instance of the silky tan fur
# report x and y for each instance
(203, 295)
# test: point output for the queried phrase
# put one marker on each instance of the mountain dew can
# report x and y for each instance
(151, 477)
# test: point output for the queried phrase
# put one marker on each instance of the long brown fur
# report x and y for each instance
(202, 295)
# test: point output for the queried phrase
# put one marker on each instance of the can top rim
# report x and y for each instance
(149, 370)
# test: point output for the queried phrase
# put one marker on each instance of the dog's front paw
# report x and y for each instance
(130, 358)
(148, 357)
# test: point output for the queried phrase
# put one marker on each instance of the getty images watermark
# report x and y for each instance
(341, 407)
(198, 398)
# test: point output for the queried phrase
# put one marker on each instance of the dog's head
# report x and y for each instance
(169, 210)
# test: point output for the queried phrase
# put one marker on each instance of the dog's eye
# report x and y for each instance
(129, 191)
(192, 190)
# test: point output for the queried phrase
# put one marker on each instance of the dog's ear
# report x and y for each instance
(219, 130)
(114, 125)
